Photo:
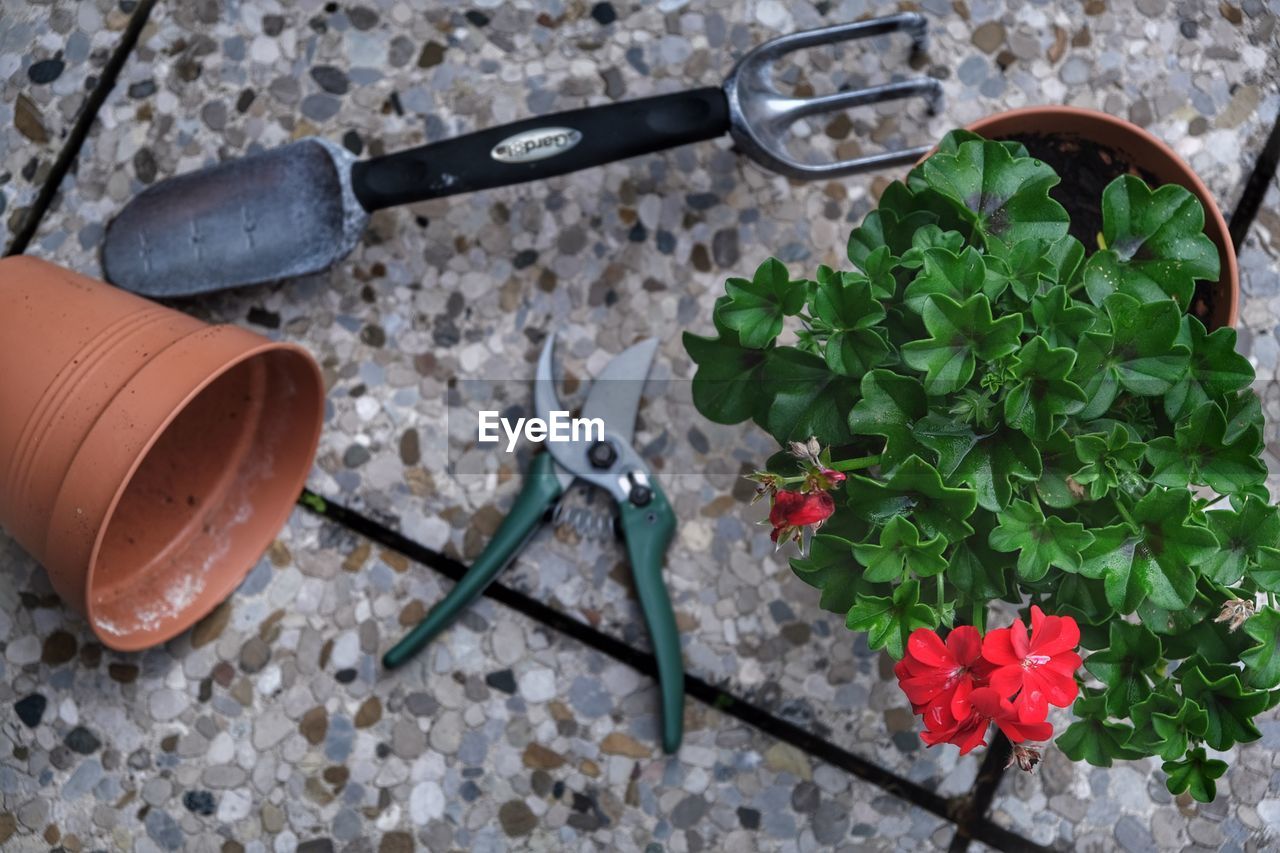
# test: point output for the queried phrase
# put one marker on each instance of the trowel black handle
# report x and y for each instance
(533, 149)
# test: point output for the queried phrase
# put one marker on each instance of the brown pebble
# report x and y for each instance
(516, 818)
(432, 54)
(700, 258)
(279, 554)
(125, 673)
(1095, 7)
(26, 118)
(988, 37)
(211, 627)
(254, 655)
(540, 757)
(398, 562)
(223, 673)
(355, 561)
(336, 775)
(410, 452)
(413, 613)
(169, 743)
(314, 725)
(396, 842)
(1059, 46)
(620, 743)
(370, 712)
(1231, 13)
(59, 647)
(8, 826)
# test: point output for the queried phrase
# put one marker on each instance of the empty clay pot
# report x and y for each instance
(147, 459)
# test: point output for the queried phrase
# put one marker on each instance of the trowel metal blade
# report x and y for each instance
(286, 212)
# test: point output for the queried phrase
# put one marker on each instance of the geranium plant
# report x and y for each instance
(982, 410)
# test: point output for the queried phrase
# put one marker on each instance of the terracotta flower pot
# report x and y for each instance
(147, 459)
(1152, 156)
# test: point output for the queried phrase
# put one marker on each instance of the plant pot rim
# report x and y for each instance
(209, 339)
(1215, 222)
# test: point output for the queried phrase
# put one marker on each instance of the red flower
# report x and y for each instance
(986, 706)
(1040, 670)
(990, 705)
(941, 726)
(936, 673)
(792, 512)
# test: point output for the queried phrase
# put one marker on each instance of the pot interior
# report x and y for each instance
(205, 500)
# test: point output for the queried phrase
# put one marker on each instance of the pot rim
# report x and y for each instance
(139, 640)
(1230, 274)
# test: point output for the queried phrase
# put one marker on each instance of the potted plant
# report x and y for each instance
(987, 413)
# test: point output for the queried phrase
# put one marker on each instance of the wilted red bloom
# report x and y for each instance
(792, 512)
(1040, 669)
(932, 672)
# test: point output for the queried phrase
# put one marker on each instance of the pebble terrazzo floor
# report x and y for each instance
(466, 288)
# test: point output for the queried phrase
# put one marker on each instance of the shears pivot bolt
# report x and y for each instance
(602, 455)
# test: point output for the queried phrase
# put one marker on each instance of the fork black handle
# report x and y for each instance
(542, 147)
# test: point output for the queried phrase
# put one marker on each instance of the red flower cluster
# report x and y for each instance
(962, 686)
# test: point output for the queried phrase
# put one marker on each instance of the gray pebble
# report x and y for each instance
(320, 108)
(164, 830)
(688, 811)
(1075, 71)
(973, 70)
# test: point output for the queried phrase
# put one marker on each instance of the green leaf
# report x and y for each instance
(846, 311)
(960, 333)
(1042, 395)
(755, 308)
(1039, 542)
(1213, 372)
(1005, 197)
(958, 275)
(830, 567)
(1156, 245)
(1138, 354)
(1082, 597)
(1107, 457)
(1093, 738)
(988, 463)
(889, 621)
(930, 237)
(900, 551)
(1191, 631)
(1059, 319)
(977, 571)
(1244, 414)
(1123, 666)
(804, 398)
(1247, 535)
(915, 488)
(1198, 453)
(1262, 662)
(726, 386)
(891, 227)
(1195, 773)
(890, 406)
(1056, 487)
(1154, 561)
(1231, 708)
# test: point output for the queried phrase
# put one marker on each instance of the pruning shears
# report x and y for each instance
(645, 519)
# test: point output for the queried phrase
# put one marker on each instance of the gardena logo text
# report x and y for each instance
(536, 144)
(560, 427)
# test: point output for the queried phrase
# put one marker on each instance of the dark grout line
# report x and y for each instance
(80, 130)
(704, 691)
(1255, 189)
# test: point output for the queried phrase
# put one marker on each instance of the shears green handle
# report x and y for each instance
(648, 530)
(540, 492)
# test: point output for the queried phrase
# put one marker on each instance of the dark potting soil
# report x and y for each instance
(1086, 168)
